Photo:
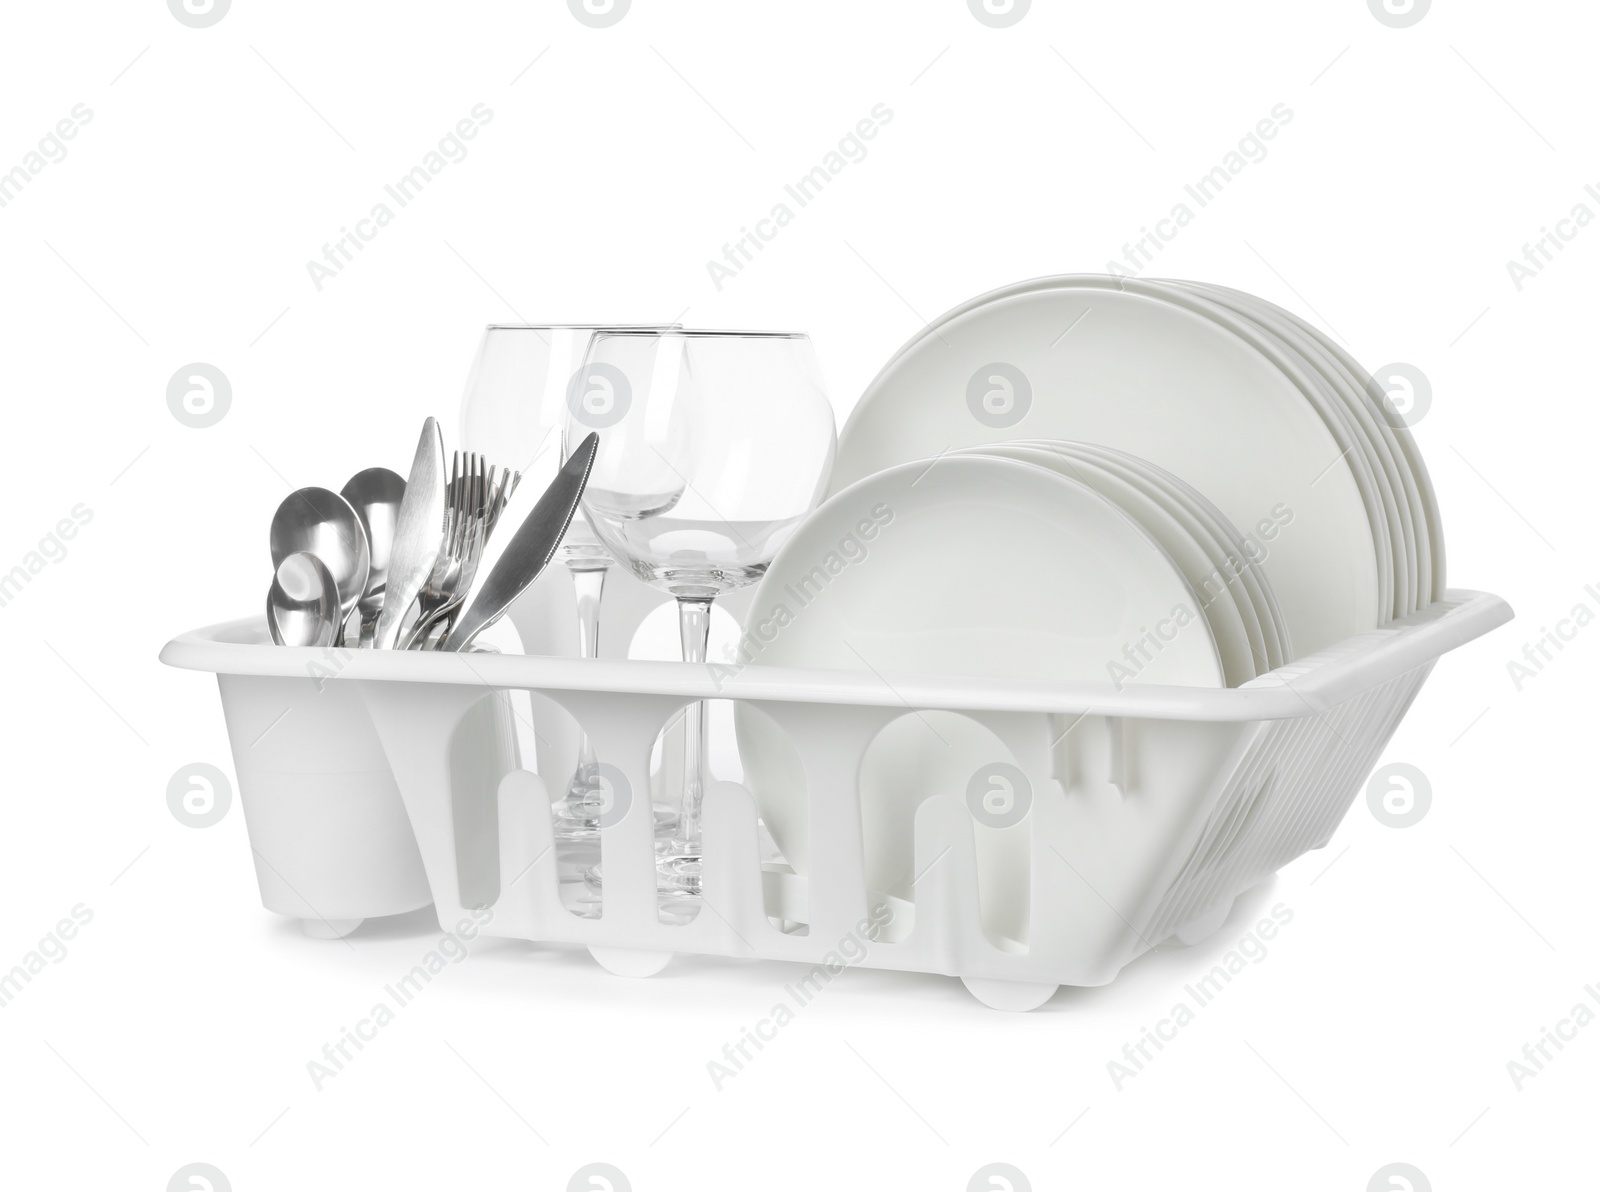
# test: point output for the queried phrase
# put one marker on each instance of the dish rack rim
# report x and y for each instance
(1304, 687)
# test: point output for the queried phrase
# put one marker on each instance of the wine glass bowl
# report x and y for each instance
(514, 408)
(713, 447)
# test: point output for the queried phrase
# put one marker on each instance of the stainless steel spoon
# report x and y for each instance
(323, 523)
(303, 602)
(375, 494)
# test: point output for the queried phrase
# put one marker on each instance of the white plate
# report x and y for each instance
(1417, 469)
(1229, 549)
(1408, 525)
(1212, 586)
(1146, 376)
(1379, 501)
(1222, 541)
(1395, 437)
(979, 566)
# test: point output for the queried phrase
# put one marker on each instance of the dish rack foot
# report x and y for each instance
(1019, 996)
(630, 962)
(329, 929)
(1204, 926)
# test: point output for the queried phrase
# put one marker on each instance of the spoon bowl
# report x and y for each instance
(303, 602)
(375, 494)
(324, 524)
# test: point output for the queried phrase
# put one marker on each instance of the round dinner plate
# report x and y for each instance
(1407, 520)
(1150, 377)
(1211, 586)
(1391, 430)
(1376, 497)
(976, 566)
(1222, 541)
(983, 567)
(1378, 488)
(1417, 467)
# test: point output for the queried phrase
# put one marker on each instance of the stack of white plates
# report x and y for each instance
(1269, 419)
(1085, 478)
(1226, 585)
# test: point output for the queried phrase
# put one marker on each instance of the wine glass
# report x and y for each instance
(514, 409)
(714, 445)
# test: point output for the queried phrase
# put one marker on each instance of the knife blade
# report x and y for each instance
(418, 535)
(517, 559)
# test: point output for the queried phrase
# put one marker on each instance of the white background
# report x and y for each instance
(177, 229)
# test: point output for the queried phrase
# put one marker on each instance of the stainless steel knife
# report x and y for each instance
(418, 535)
(515, 561)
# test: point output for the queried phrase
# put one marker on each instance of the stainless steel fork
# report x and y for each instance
(473, 502)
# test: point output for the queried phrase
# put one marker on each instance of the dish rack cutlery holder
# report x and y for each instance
(373, 782)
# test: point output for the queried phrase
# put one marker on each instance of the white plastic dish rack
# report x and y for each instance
(373, 782)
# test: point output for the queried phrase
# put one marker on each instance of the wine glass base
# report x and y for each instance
(586, 829)
(581, 899)
(678, 867)
(677, 910)
(575, 831)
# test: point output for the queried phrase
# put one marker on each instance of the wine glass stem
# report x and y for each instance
(589, 582)
(694, 627)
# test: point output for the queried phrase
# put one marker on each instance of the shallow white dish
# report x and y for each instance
(1408, 524)
(1404, 441)
(1393, 430)
(1378, 488)
(1151, 506)
(1224, 541)
(1382, 507)
(976, 566)
(1146, 376)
